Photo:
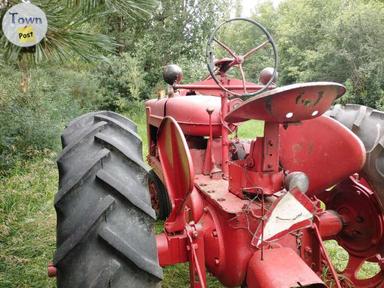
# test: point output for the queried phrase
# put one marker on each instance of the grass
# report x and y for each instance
(251, 129)
(27, 222)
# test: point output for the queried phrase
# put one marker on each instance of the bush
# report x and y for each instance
(121, 81)
(31, 122)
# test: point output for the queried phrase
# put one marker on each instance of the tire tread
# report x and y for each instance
(105, 222)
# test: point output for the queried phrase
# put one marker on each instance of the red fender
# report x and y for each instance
(177, 167)
(323, 149)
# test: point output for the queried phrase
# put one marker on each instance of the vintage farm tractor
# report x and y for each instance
(252, 213)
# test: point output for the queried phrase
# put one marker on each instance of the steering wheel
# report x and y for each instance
(238, 60)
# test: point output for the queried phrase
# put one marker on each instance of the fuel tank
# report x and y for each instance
(191, 113)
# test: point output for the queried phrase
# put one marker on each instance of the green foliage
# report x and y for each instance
(73, 29)
(31, 122)
(192, 70)
(331, 41)
(68, 35)
(177, 33)
(121, 82)
(241, 37)
(129, 8)
(361, 49)
(54, 94)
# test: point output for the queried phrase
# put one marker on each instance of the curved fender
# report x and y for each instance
(177, 167)
(322, 148)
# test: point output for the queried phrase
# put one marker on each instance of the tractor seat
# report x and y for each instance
(291, 103)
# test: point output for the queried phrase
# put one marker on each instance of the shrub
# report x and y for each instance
(121, 81)
(31, 122)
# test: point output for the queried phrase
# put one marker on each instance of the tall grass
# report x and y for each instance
(27, 223)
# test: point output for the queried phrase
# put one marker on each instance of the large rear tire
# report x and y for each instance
(368, 125)
(105, 222)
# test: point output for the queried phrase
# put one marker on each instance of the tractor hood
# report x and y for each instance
(191, 113)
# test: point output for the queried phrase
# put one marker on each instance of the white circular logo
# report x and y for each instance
(25, 25)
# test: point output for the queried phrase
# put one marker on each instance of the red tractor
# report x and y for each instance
(252, 213)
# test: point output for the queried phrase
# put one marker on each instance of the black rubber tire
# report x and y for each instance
(105, 222)
(368, 125)
(164, 203)
(78, 126)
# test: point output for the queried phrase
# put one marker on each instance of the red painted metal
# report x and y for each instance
(290, 103)
(256, 215)
(323, 149)
(209, 87)
(271, 148)
(179, 108)
(198, 159)
(224, 134)
(52, 270)
(357, 205)
(259, 172)
(195, 123)
(195, 207)
(243, 182)
(330, 223)
(234, 216)
(363, 235)
(172, 249)
(208, 162)
(198, 278)
(229, 221)
(177, 170)
(326, 256)
(274, 270)
(155, 111)
(224, 222)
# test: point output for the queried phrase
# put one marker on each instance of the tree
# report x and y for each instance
(335, 40)
(178, 33)
(72, 29)
(72, 32)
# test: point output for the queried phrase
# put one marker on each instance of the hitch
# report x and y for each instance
(52, 270)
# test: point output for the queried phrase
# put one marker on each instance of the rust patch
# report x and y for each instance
(307, 102)
(320, 95)
(268, 104)
(297, 148)
(310, 148)
(299, 97)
